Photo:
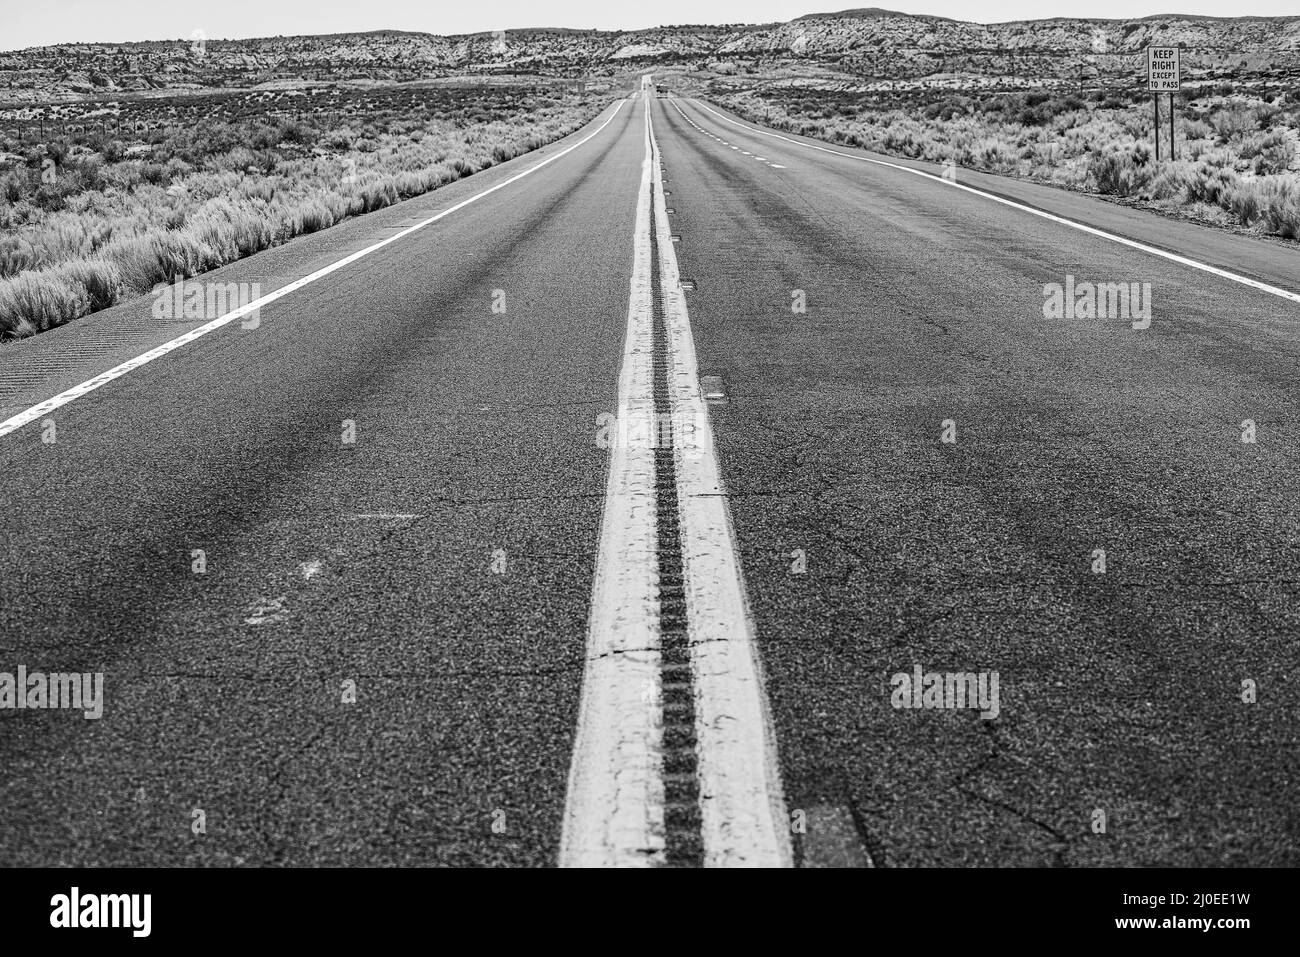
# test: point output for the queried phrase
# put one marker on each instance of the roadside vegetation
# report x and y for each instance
(1238, 151)
(98, 212)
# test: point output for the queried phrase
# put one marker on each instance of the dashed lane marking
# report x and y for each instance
(1042, 214)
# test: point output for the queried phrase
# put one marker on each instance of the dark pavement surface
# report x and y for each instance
(481, 425)
(371, 562)
(1119, 692)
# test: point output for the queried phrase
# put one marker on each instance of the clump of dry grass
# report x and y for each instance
(1121, 174)
(40, 299)
(1281, 206)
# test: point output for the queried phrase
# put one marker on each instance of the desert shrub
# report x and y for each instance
(378, 195)
(340, 139)
(38, 300)
(236, 159)
(295, 131)
(263, 136)
(205, 139)
(17, 255)
(1034, 116)
(125, 175)
(1209, 184)
(99, 280)
(144, 261)
(174, 217)
(1169, 181)
(1117, 174)
(154, 173)
(1232, 122)
(229, 231)
(86, 176)
(1265, 114)
(261, 189)
(1270, 153)
(49, 197)
(12, 187)
(176, 168)
(994, 154)
(1044, 155)
(313, 216)
(1282, 209)
(1245, 199)
(901, 139)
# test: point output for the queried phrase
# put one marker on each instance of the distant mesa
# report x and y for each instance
(856, 46)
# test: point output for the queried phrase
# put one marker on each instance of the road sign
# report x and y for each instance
(1163, 70)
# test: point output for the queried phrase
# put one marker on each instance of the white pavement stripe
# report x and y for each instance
(1091, 230)
(614, 814)
(90, 385)
(741, 804)
(761, 159)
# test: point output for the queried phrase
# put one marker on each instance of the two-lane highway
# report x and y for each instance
(370, 583)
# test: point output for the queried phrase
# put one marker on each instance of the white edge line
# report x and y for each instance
(1092, 230)
(742, 807)
(90, 385)
(614, 810)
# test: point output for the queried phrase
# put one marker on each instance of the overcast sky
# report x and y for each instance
(25, 23)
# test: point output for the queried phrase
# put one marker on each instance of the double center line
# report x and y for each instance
(674, 759)
(673, 730)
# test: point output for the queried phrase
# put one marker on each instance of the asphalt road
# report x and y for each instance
(1119, 691)
(378, 563)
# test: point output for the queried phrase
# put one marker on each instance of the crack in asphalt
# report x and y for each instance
(959, 784)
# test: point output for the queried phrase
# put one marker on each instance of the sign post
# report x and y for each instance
(1164, 75)
(1155, 123)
